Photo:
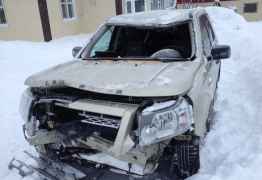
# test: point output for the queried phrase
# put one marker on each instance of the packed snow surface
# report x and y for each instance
(232, 150)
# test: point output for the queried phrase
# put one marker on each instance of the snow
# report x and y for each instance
(159, 17)
(232, 150)
(18, 60)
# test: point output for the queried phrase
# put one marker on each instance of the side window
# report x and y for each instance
(205, 36)
(2, 13)
(210, 32)
(103, 43)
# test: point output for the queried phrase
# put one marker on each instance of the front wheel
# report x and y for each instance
(186, 158)
(182, 157)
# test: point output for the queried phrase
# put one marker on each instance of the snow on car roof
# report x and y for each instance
(158, 17)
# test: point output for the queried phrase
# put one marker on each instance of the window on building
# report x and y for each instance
(162, 4)
(139, 5)
(250, 7)
(133, 6)
(157, 4)
(129, 7)
(68, 9)
(2, 13)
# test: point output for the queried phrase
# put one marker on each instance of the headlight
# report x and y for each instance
(25, 104)
(162, 121)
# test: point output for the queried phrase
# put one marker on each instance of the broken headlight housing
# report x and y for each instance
(25, 104)
(164, 120)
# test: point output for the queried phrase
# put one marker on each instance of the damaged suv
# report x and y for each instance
(136, 100)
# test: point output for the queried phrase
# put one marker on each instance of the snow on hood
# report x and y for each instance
(132, 78)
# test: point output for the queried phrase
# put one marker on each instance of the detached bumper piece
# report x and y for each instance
(49, 169)
(45, 168)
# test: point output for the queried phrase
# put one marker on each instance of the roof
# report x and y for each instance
(157, 18)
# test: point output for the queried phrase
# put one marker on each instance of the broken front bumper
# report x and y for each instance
(50, 169)
(119, 152)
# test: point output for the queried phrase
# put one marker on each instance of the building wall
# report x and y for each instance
(229, 4)
(95, 12)
(89, 15)
(59, 26)
(23, 21)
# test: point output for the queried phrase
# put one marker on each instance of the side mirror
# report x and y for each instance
(76, 50)
(221, 52)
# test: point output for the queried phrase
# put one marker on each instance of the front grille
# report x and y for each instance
(100, 120)
(57, 115)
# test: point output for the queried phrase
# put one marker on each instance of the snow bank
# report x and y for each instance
(233, 149)
(19, 59)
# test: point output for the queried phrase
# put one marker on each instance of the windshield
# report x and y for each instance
(141, 42)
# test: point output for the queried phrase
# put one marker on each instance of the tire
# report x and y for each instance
(181, 158)
(186, 158)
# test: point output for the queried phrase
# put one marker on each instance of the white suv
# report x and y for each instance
(135, 101)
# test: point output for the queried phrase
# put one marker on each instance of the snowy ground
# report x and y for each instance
(17, 61)
(233, 149)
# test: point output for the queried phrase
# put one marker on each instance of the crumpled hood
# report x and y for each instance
(129, 78)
